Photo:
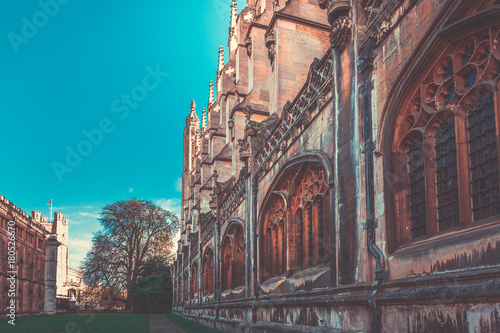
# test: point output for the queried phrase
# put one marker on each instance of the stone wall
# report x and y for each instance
(326, 85)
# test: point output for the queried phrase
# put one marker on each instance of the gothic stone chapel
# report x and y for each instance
(344, 176)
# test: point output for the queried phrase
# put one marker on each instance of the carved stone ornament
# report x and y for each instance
(249, 130)
(323, 4)
(244, 171)
(272, 52)
(270, 38)
(337, 8)
(283, 145)
(341, 33)
(383, 29)
(245, 151)
(248, 45)
(306, 117)
(321, 100)
(213, 207)
(247, 111)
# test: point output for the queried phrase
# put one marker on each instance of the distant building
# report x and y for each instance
(73, 286)
(69, 281)
(59, 227)
(30, 260)
(31, 271)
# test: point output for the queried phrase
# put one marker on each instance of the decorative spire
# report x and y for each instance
(211, 98)
(204, 120)
(221, 59)
(192, 118)
(234, 15)
(193, 107)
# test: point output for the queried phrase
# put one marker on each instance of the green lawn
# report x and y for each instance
(190, 326)
(79, 323)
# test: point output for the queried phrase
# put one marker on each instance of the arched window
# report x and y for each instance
(483, 157)
(310, 206)
(414, 149)
(295, 226)
(194, 281)
(208, 271)
(226, 271)
(274, 239)
(186, 286)
(239, 272)
(445, 151)
(444, 161)
(233, 257)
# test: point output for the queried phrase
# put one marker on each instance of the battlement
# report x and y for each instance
(58, 216)
(9, 205)
(37, 216)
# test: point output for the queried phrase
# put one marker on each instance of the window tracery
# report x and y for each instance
(186, 286)
(233, 252)
(208, 271)
(194, 281)
(447, 131)
(296, 222)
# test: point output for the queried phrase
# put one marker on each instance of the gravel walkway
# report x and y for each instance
(158, 323)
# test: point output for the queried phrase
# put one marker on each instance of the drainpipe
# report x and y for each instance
(365, 65)
(255, 189)
(217, 293)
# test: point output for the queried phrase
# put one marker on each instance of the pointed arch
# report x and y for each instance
(208, 273)
(296, 226)
(233, 256)
(194, 280)
(448, 177)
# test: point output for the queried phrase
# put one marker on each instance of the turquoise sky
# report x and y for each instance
(110, 82)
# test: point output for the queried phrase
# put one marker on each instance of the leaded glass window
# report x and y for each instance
(446, 174)
(483, 158)
(417, 188)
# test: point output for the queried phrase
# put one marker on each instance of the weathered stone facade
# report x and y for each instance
(39, 279)
(29, 259)
(345, 176)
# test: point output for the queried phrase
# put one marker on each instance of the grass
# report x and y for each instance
(190, 326)
(79, 323)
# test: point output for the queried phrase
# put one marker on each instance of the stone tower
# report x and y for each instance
(59, 227)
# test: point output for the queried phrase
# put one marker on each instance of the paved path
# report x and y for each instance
(158, 323)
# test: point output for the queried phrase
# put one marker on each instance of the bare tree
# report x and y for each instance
(133, 231)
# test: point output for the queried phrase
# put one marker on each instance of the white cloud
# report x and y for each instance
(89, 214)
(178, 184)
(131, 190)
(172, 205)
(78, 248)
